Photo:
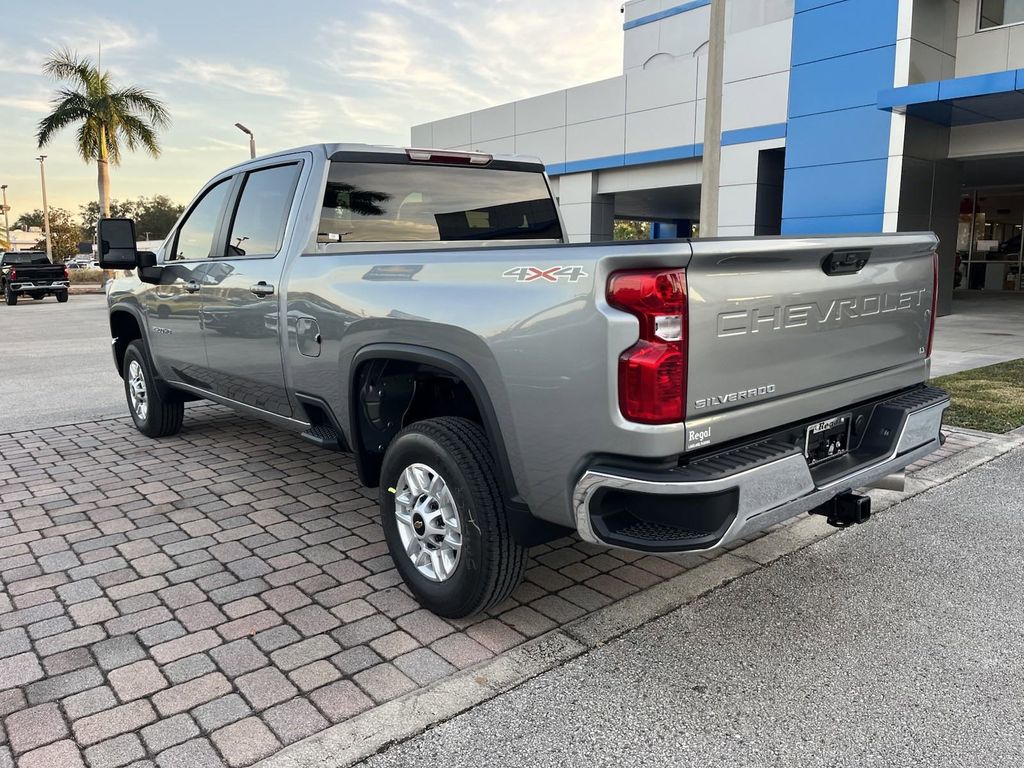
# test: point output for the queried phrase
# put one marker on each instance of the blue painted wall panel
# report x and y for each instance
(843, 189)
(842, 28)
(837, 140)
(812, 86)
(838, 137)
(834, 225)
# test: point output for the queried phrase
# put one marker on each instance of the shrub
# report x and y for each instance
(86, 275)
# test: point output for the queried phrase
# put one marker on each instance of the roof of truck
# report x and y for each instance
(329, 150)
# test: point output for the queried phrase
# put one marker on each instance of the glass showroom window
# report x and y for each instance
(998, 13)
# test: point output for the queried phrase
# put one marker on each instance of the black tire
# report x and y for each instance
(162, 416)
(491, 562)
(62, 296)
(10, 297)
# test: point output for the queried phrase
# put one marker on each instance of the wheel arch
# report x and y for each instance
(444, 361)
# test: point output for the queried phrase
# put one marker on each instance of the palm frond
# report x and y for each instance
(138, 133)
(68, 107)
(139, 100)
(65, 64)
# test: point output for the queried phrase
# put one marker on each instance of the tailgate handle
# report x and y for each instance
(845, 262)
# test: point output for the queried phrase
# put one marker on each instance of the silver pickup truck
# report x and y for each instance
(421, 309)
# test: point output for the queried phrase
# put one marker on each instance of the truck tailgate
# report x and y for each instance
(781, 330)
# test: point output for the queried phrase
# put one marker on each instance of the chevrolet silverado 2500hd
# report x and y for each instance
(421, 309)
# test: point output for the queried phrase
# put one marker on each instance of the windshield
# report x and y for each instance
(25, 258)
(393, 202)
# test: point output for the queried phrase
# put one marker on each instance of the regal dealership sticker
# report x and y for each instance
(698, 438)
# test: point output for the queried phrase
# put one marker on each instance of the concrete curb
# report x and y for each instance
(369, 733)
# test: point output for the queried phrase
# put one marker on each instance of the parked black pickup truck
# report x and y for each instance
(30, 273)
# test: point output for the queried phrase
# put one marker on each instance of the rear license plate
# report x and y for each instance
(827, 439)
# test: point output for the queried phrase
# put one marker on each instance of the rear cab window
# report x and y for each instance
(380, 202)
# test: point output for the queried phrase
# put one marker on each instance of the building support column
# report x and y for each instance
(589, 217)
(712, 155)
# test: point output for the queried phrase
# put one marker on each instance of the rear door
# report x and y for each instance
(241, 294)
(783, 329)
(173, 306)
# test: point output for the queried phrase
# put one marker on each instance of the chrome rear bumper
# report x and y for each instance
(767, 493)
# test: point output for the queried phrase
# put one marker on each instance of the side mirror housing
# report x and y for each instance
(149, 272)
(116, 244)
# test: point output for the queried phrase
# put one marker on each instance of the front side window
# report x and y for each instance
(266, 199)
(394, 202)
(196, 233)
(998, 13)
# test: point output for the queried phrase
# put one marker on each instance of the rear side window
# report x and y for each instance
(262, 213)
(384, 202)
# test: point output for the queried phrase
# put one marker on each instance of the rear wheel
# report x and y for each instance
(62, 296)
(153, 414)
(444, 518)
(10, 296)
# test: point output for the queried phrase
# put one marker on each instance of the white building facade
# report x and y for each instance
(837, 116)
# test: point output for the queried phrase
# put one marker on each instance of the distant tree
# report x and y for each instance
(153, 215)
(28, 220)
(108, 118)
(65, 235)
(627, 229)
(90, 214)
(4, 245)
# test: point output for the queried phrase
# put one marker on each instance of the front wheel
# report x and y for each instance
(154, 415)
(444, 518)
(62, 296)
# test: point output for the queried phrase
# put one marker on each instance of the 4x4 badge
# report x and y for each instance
(551, 274)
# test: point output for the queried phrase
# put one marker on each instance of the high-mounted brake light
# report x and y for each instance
(451, 158)
(935, 301)
(652, 373)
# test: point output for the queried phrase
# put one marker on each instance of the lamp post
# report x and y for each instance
(7, 226)
(46, 207)
(252, 139)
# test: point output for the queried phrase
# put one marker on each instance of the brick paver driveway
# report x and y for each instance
(209, 598)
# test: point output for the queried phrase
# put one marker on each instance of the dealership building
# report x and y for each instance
(837, 117)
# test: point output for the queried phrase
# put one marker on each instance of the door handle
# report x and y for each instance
(261, 289)
(191, 286)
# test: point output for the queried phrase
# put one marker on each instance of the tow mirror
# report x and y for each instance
(116, 244)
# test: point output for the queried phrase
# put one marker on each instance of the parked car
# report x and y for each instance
(502, 388)
(30, 273)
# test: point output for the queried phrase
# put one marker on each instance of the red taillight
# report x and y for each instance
(652, 373)
(66, 275)
(12, 275)
(935, 301)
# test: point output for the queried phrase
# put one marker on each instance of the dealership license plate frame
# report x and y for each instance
(820, 432)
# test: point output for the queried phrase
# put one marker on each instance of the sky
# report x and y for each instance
(296, 73)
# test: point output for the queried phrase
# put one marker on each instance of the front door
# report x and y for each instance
(241, 293)
(173, 306)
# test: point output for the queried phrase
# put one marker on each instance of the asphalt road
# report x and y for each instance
(897, 643)
(56, 363)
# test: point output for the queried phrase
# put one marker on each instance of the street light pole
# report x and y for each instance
(7, 226)
(252, 139)
(46, 207)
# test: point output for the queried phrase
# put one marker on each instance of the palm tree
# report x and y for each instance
(108, 118)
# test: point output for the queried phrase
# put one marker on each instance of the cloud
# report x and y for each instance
(264, 81)
(407, 62)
